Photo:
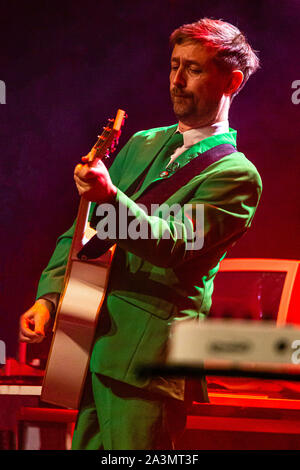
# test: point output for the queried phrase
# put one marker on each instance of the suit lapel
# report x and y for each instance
(182, 160)
(189, 154)
(141, 158)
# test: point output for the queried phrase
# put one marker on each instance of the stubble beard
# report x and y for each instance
(186, 111)
(183, 106)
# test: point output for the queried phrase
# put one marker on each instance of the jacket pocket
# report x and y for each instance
(156, 306)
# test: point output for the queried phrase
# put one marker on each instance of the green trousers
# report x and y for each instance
(117, 416)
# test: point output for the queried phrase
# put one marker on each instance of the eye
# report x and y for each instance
(194, 71)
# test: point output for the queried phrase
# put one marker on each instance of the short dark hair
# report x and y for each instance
(232, 48)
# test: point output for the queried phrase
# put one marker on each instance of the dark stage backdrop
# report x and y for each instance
(69, 65)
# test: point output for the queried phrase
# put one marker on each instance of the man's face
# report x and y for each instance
(196, 84)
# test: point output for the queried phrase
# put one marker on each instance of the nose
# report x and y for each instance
(178, 78)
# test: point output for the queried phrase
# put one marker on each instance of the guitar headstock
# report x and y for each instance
(107, 142)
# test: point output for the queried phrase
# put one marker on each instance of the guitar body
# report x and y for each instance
(74, 333)
(77, 314)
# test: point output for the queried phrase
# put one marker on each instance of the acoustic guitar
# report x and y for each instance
(83, 294)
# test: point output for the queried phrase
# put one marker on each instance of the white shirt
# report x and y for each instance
(193, 136)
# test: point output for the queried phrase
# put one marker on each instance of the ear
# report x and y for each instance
(234, 82)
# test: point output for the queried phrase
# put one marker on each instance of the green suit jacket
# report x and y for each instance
(158, 280)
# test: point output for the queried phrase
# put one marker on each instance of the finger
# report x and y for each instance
(39, 327)
(84, 172)
(39, 339)
(81, 185)
(33, 340)
(23, 339)
(89, 173)
(25, 326)
(78, 169)
(85, 180)
(80, 181)
(27, 333)
(26, 320)
(26, 339)
(89, 157)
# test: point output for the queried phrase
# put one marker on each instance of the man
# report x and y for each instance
(158, 279)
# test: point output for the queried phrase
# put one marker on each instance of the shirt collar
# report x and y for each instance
(193, 136)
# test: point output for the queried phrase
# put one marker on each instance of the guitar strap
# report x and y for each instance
(161, 190)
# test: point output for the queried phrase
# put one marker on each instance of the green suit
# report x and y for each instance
(154, 281)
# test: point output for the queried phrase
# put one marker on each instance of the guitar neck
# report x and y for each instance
(106, 142)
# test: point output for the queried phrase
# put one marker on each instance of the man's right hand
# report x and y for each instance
(34, 321)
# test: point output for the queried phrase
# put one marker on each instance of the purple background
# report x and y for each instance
(69, 65)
